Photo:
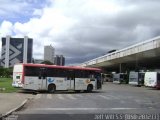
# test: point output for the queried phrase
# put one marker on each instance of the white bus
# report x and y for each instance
(107, 77)
(136, 78)
(51, 78)
(119, 78)
(152, 79)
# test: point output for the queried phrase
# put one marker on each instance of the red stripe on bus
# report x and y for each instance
(62, 67)
(23, 75)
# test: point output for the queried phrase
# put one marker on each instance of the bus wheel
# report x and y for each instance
(138, 85)
(89, 88)
(51, 88)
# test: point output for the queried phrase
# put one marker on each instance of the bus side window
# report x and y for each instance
(53, 72)
(17, 77)
(31, 71)
(92, 76)
(158, 77)
(81, 74)
(39, 75)
(77, 74)
(87, 74)
(44, 74)
(73, 75)
(67, 74)
(62, 73)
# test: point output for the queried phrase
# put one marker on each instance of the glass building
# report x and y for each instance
(16, 50)
(59, 60)
(49, 53)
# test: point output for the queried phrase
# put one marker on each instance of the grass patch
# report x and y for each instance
(6, 83)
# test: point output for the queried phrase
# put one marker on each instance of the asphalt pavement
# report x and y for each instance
(113, 99)
(12, 101)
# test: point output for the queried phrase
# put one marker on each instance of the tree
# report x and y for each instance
(47, 62)
(6, 72)
(1, 71)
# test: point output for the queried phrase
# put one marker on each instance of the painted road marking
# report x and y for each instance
(79, 95)
(113, 97)
(49, 96)
(79, 109)
(107, 98)
(60, 97)
(71, 97)
(38, 96)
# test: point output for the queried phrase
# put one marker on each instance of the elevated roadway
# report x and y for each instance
(144, 55)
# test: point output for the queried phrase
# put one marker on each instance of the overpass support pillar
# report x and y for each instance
(122, 67)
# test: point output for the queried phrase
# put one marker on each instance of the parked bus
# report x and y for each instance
(120, 78)
(52, 78)
(107, 77)
(136, 78)
(152, 79)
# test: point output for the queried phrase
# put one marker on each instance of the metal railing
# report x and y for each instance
(140, 47)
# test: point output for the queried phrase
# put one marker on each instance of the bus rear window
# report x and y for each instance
(158, 76)
(17, 77)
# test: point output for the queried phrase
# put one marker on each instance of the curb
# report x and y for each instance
(15, 109)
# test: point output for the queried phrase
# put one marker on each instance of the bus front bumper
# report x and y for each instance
(17, 85)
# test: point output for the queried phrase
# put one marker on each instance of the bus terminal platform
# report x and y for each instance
(9, 102)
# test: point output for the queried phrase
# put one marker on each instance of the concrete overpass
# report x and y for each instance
(144, 55)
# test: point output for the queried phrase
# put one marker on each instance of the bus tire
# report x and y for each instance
(89, 88)
(51, 88)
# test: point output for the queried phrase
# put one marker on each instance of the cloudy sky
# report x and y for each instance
(80, 29)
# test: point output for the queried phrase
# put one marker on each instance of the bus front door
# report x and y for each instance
(42, 79)
(71, 80)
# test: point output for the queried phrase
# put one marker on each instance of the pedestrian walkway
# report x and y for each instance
(77, 96)
(9, 101)
(105, 97)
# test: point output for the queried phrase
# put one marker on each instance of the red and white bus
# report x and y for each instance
(52, 78)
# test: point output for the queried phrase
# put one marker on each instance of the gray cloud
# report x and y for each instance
(90, 29)
(104, 33)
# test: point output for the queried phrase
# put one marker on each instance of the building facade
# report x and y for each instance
(59, 60)
(0, 62)
(16, 50)
(49, 53)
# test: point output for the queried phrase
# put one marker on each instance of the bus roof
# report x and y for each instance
(61, 67)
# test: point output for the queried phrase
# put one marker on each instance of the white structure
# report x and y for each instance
(146, 49)
(136, 78)
(49, 53)
(152, 79)
(16, 50)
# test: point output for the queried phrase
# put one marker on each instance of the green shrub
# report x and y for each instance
(6, 72)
